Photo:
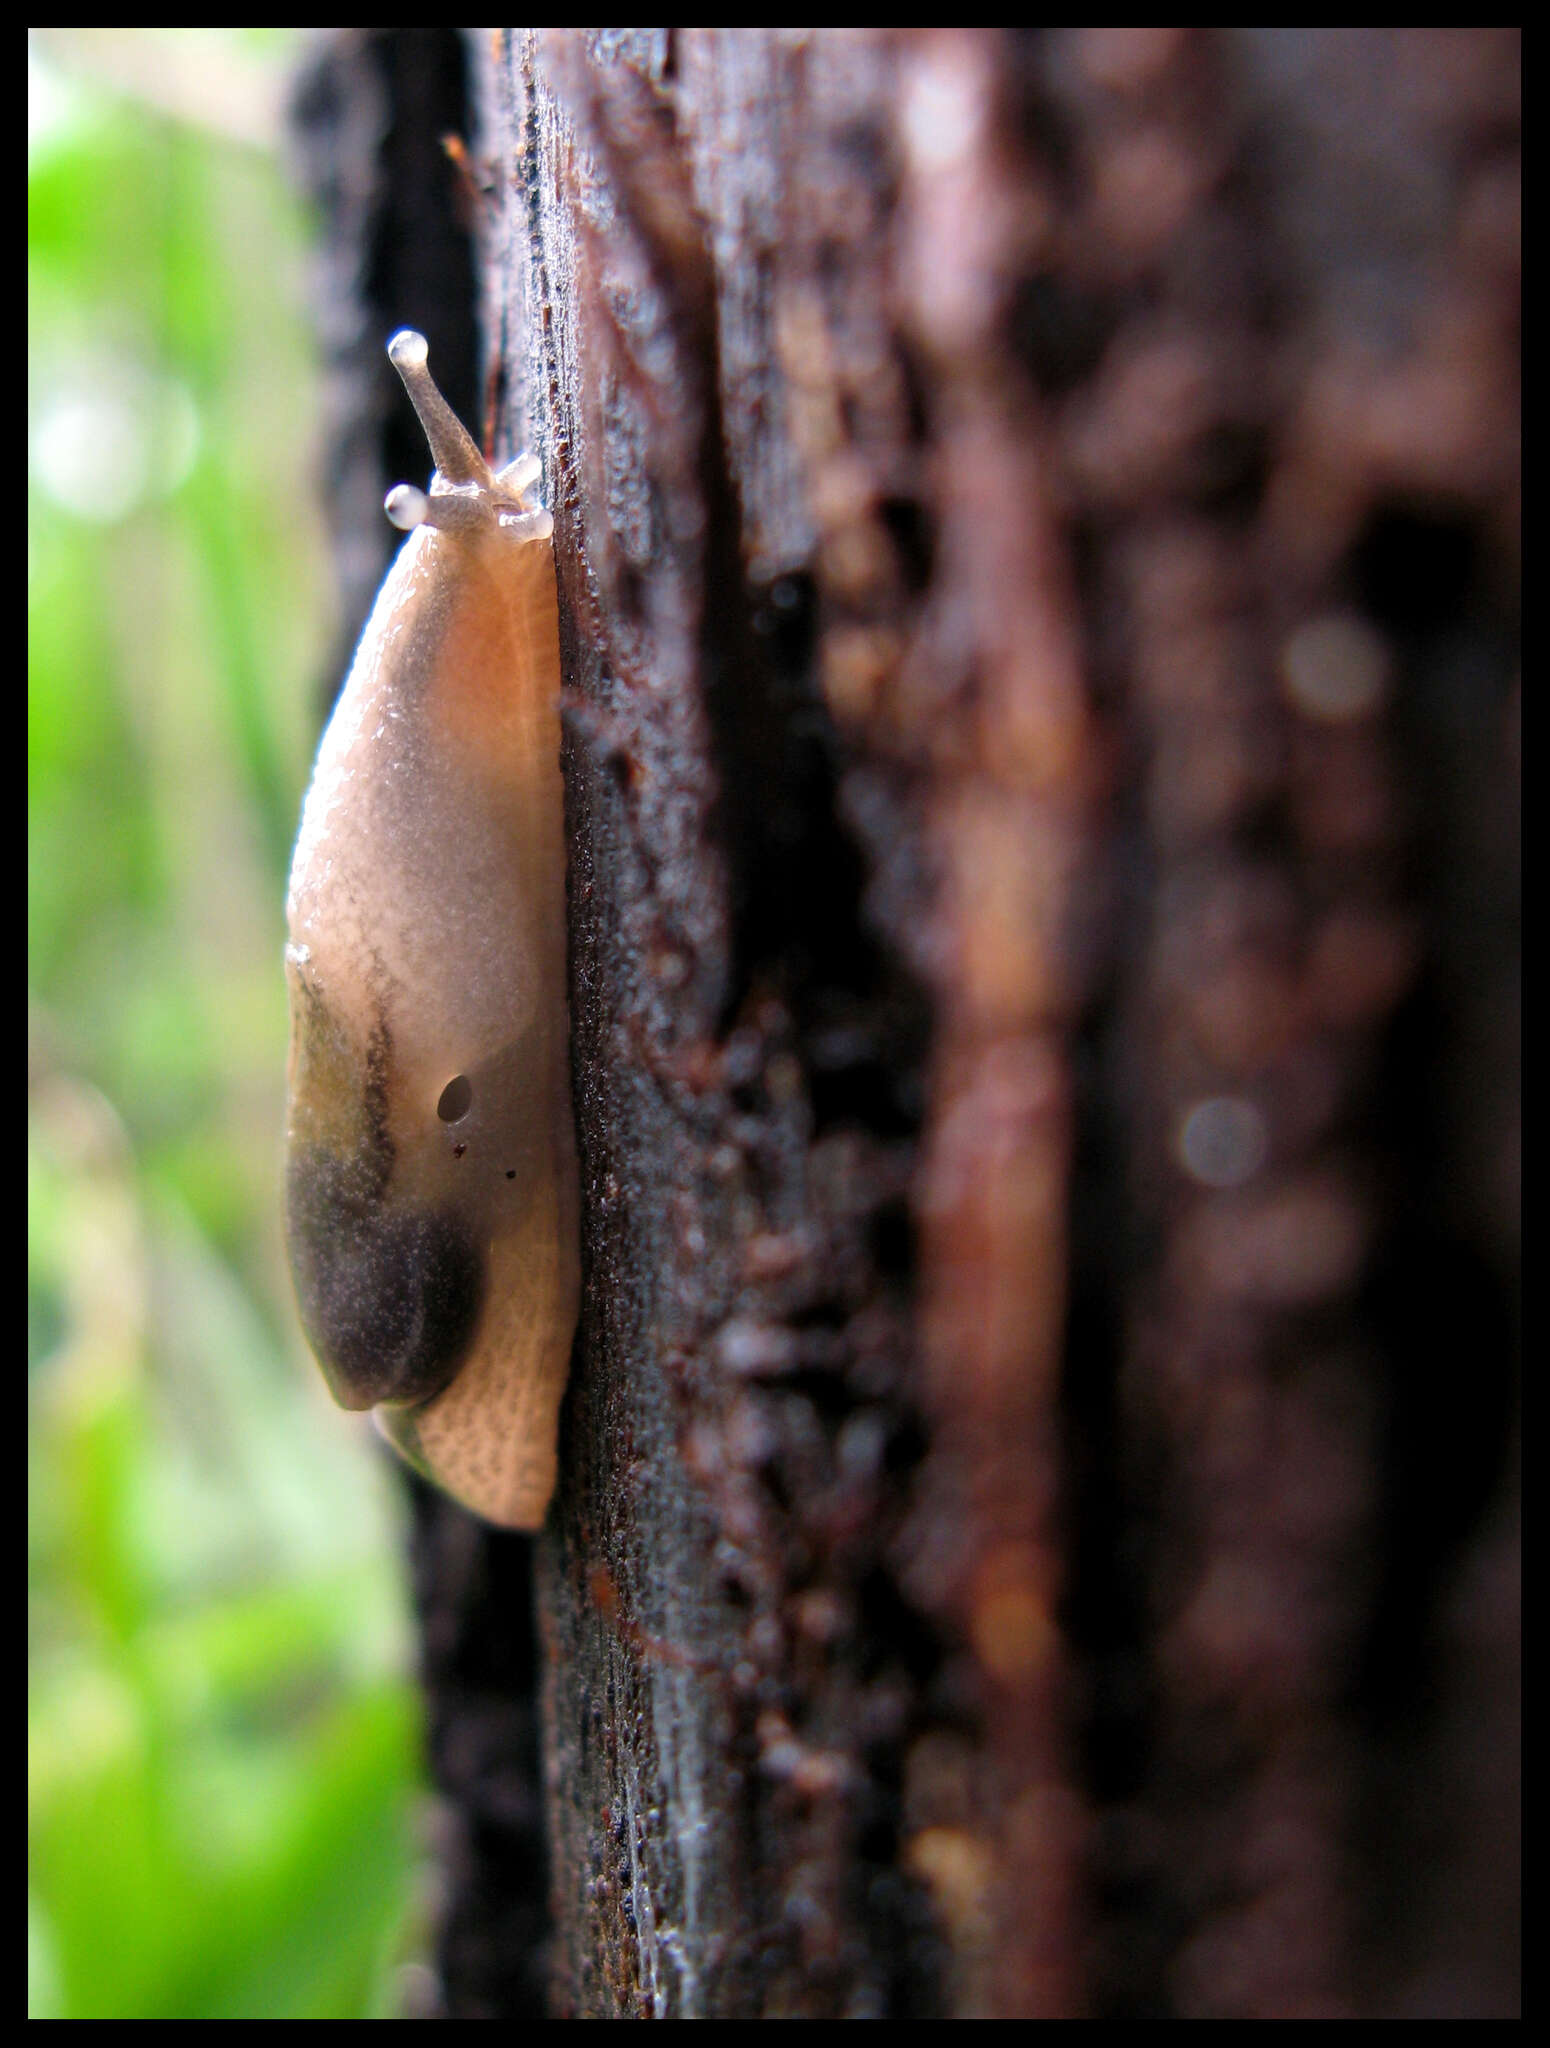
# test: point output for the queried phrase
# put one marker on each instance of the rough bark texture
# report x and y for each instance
(1036, 523)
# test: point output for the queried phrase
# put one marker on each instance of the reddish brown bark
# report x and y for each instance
(1036, 528)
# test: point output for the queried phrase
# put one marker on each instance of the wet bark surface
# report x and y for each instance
(1036, 525)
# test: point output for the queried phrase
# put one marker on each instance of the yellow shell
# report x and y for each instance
(430, 1190)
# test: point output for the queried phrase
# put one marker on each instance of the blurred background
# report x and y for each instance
(224, 1744)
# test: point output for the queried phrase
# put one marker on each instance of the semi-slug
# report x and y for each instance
(430, 1185)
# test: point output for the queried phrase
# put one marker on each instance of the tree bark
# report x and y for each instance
(1036, 528)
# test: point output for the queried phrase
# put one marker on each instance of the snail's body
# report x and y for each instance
(431, 1199)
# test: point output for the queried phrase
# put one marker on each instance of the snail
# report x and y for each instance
(431, 1202)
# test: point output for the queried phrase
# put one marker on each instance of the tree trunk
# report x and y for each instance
(1036, 528)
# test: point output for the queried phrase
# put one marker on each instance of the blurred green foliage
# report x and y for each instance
(223, 1734)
